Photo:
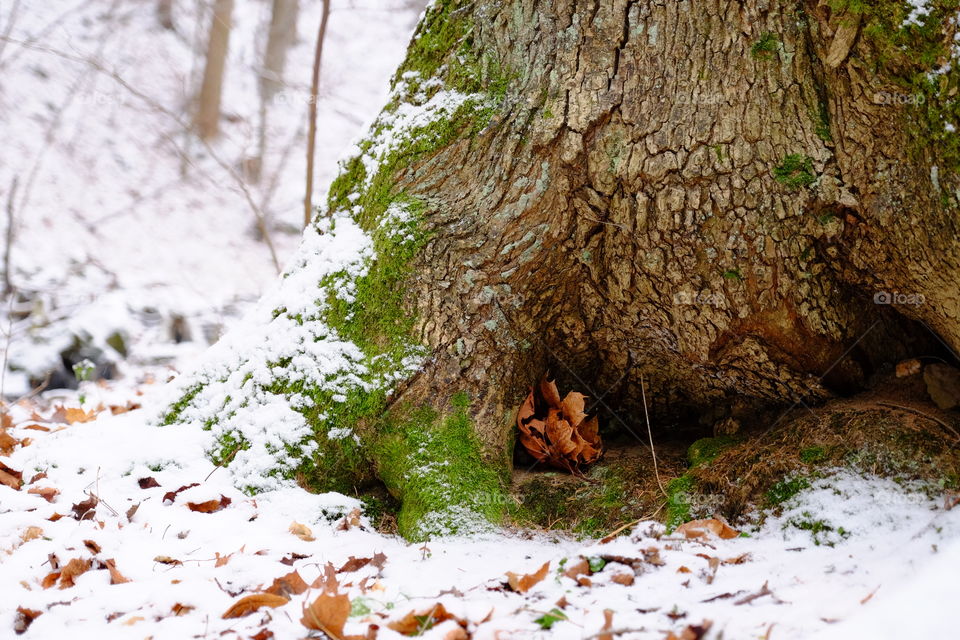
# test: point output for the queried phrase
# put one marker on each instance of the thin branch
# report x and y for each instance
(653, 451)
(312, 133)
(258, 214)
(8, 244)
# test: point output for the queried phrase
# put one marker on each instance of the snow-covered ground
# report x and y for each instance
(880, 564)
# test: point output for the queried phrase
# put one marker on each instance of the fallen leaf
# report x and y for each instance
(92, 546)
(607, 625)
(132, 511)
(24, 618)
(31, 533)
(625, 579)
(327, 613)
(740, 559)
(222, 560)
(263, 634)
(247, 605)
(7, 442)
(85, 510)
(47, 493)
(129, 622)
(293, 557)
(692, 632)
(72, 570)
(350, 520)
(115, 576)
(703, 528)
(11, 478)
(171, 496)
(288, 585)
(50, 579)
(181, 609)
(578, 568)
(684, 570)
(558, 432)
(302, 531)
(210, 506)
(72, 415)
(523, 583)
(167, 560)
(415, 623)
(148, 483)
(354, 564)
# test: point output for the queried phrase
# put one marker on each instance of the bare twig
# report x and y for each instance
(98, 66)
(925, 415)
(8, 244)
(653, 451)
(312, 133)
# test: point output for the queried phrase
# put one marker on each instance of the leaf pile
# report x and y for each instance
(558, 432)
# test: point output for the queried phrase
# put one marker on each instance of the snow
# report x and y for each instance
(890, 575)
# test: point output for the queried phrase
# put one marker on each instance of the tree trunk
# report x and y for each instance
(741, 202)
(281, 36)
(208, 110)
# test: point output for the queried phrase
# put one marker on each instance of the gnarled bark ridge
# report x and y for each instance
(744, 203)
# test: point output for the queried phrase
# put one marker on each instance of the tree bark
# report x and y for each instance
(312, 115)
(708, 196)
(207, 120)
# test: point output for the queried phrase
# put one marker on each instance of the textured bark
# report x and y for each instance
(621, 216)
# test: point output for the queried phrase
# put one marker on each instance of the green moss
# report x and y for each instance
(785, 489)
(705, 450)
(813, 455)
(435, 464)
(173, 414)
(678, 501)
(765, 47)
(795, 171)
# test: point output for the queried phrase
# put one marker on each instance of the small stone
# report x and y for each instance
(943, 385)
(908, 367)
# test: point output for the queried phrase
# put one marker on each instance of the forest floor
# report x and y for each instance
(111, 527)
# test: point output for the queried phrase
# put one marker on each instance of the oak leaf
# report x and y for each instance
(415, 623)
(288, 585)
(558, 431)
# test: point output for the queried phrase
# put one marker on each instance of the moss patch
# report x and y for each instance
(795, 172)
(434, 464)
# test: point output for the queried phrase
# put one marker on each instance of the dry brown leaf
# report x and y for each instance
(72, 415)
(625, 579)
(302, 531)
(703, 528)
(47, 493)
(579, 568)
(132, 620)
(7, 443)
(10, 477)
(327, 613)
(288, 585)
(181, 609)
(167, 560)
(171, 496)
(558, 432)
(92, 546)
(31, 533)
(115, 576)
(24, 619)
(72, 570)
(692, 632)
(148, 483)
(222, 560)
(210, 506)
(414, 623)
(247, 605)
(607, 625)
(263, 634)
(350, 520)
(50, 579)
(521, 583)
(87, 509)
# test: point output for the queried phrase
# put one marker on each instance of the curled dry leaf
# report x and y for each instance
(350, 521)
(7, 442)
(167, 560)
(24, 619)
(558, 432)
(148, 483)
(523, 583)
(115, 576)
(171, 496)
(72, 570)
(247, 605)
(87, 509)
(10, 477)
(210, 506)
(47, 493)
(692, 632)
(181, 609)
(579, 568)
(288, 585)
(703, 528)
(302, 531)
(414, 623)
